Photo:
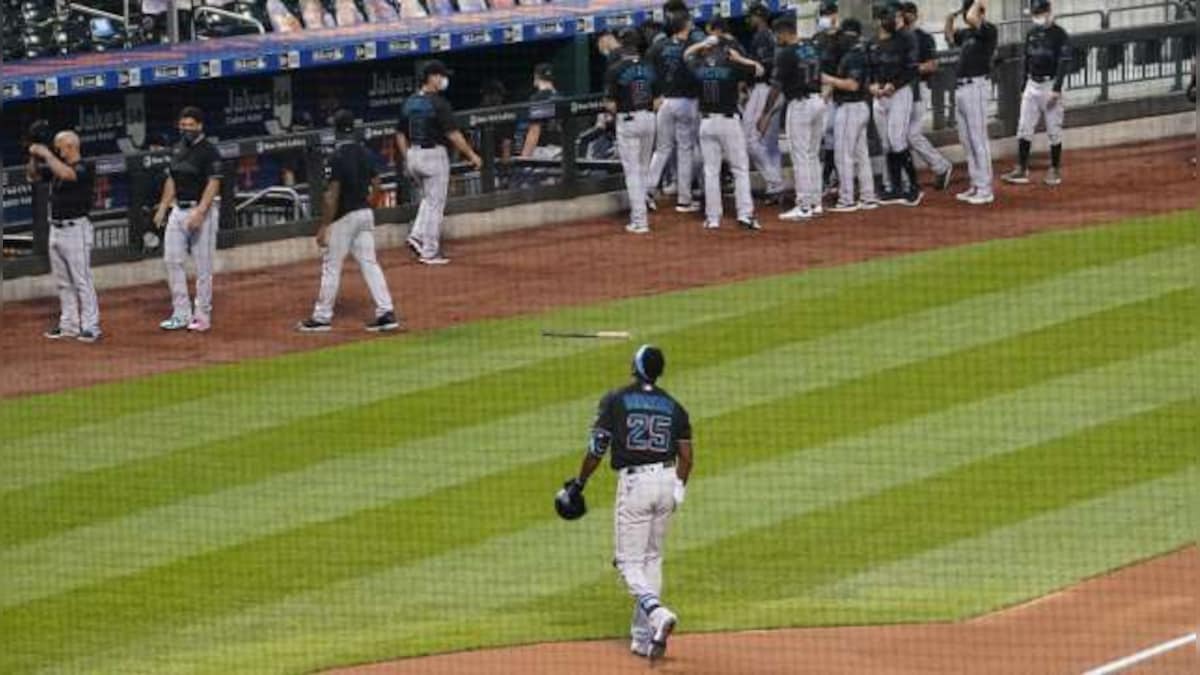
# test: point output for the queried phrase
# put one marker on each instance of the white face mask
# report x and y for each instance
(824, 22)
(1042, 20)
(445, 84)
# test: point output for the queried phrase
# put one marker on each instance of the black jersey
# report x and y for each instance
(830, 47)
(543, 110)
(71, 199)
(641, 424)
(630, 81)
(926, 50)
(674, 78)
(192, 165)
(798, 70)
(425, 119)
(978, 46)
(853, 66)
(1048, 54)
(762, 49)
(894, 59)
(350, 165)
(719, 77)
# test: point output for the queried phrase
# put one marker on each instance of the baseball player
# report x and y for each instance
(720, 68)
(828, 41)
(893, 73)
(649, 435)
(977, 42)
(1047, 62)
(927, 65)
(543, 139)
(850, 129)
(426, 125)
(71, 234)
(629, 84)
(348, 226)
(678, 122)
(763, 146)
(190, 195)
(798, 79)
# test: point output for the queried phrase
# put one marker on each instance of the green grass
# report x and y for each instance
(925, 437)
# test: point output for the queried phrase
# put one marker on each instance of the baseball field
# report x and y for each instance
(922, 438)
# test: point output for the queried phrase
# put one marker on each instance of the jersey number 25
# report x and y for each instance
(648, 433)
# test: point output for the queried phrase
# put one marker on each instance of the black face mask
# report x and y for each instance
(888, 25)
(190, 137)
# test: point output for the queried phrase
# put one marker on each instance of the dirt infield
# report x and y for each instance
(1083, 627)
(573, 264)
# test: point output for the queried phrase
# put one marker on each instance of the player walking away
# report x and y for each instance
(927, 65)
(1047, 62)
(426, 125)
(828, 40)
(348, 226)
(893, 74)
(850, 130)
(190, 195)
(71, 234)
(678, 122)
(629, 84)
(720, 68)
(798, 79)
(763, 145)
(977, 42)
(649, 435)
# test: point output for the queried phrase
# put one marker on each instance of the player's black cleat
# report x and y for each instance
(892, 197)
(314, 326)
(913, 198)
(751, 224)
(383, 323)
(942, 180)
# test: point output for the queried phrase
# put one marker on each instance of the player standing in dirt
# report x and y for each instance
(763, 144)
(1047, 62)
(893, 66)
(977, 42)
(190, 194)
(649, 436)
(850, 130)
(798, 79)
(720, 69)
(426, 126)
(927, 65)
(630, 88)
(348, 226)
(678, 121)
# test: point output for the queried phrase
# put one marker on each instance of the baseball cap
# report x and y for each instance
(1039, 6)
(911, 7)
(544, 71)
(785, 24)
(343, 120)
(760, 10)
(434, 67)
(828, 7)
(852, 25)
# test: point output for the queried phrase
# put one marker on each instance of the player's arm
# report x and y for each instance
(599, 442)
(446, 117)
(533, 134)
(164, 203)
(60, 169)
(329, 203)
(974, 15)
(749, 66)
(785, 65)
(928, 56)
(683, 464)
(1065, 57)
(948, 29)
(211, 189)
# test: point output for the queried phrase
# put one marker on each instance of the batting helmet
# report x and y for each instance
(648, 363)
(569, 502)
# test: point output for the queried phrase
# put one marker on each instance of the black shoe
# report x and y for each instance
(651, 204)
(57, 333)
(942, 181)
(772, 199)
(414, 245)
(314, 326)
(913, 198)
(88, 336)
(892, 197)
(385, 322)
(751, 224)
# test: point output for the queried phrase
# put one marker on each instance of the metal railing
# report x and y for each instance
(205, 10)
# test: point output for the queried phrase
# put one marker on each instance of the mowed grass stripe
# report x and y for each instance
(502, 502)
(64, 505)
(49, 424)
(482, 595)
(1047, 551)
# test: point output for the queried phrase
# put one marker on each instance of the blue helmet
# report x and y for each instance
(648, 363)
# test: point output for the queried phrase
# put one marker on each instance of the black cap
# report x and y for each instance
(343, 120)
(886, 10)
(909, 7)
(648, 363)
(828, 7)
(630, 38)
(544, 71)
(433, 67)
(784, 24)
(760, 10)
(1039, 6)
(719, 23)
(851, 25)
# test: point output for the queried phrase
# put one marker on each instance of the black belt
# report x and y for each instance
(709, 115)
(428, 146)
(1041, 79)
(962, 81)
(68, 222)
(186, 203)
(627, 115)
(638, 468)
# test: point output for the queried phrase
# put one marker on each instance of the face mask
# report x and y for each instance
(1043, 20)
(190, 137)
(824, 22)
(888, 25)
(445, 84)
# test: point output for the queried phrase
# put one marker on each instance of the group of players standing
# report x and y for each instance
(690, 90)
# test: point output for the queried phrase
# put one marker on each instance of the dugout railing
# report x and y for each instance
(269, 183)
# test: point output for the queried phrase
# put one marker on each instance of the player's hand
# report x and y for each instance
(322, 237)
(39, 150)
(1053, 98)
(194, 220)
(678, 492)
(159, 218)
(476, 161)
(574, 486)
